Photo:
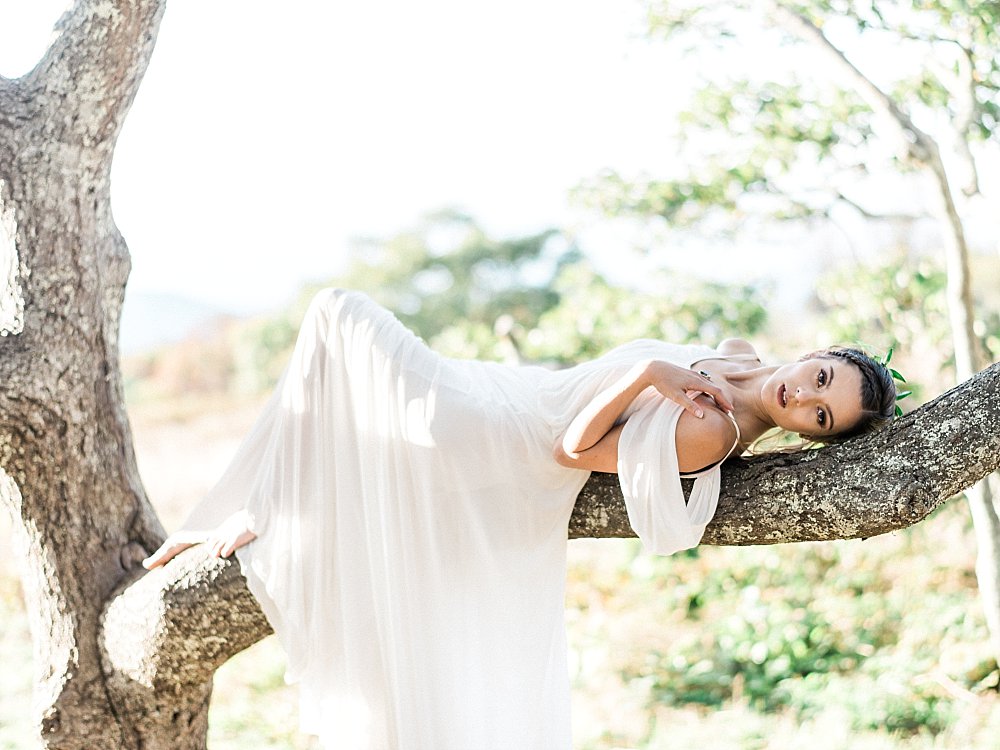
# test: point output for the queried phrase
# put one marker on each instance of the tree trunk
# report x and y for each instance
(81, 515)
(125, 658)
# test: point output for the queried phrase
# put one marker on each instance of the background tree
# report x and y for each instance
(816, 129)
(124, 658)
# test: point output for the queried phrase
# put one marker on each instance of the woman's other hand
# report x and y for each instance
(231, 534)
(173, 546)
(225, 539)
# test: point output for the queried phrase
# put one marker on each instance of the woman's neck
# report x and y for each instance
(745, 391)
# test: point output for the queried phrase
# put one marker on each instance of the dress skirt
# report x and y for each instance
(412, 530)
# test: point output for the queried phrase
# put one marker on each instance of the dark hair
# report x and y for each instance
(878, 391)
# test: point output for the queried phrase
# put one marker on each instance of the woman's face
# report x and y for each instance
(814, 397)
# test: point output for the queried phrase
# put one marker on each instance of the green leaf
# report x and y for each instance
(904, 394)
(888, 357)
(896, 375)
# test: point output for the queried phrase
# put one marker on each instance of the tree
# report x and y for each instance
(125, 658)
(811, 138)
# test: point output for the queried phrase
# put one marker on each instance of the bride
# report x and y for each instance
(401, 517)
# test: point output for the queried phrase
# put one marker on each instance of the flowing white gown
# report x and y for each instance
(412, 529)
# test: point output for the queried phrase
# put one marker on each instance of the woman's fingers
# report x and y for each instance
(719, 395)
(226, 539)
(173, 546)
(687, 400)
(230, 540)
(216, 545)
(166, 552)
(682, 385)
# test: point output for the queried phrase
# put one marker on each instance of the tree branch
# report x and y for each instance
(92, 70)
(913, 140)
(163, 637)
(870, 215)
(178, 623)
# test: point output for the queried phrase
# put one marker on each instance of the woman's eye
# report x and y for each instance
(821, 378)
(821, 417)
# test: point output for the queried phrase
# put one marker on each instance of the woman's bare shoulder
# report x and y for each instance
(740, 347)
(703, 442)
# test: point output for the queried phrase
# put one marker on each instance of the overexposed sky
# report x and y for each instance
(266, 135)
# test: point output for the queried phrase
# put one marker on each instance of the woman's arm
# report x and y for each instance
(591, 440)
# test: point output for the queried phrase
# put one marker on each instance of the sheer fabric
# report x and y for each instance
(412, 529)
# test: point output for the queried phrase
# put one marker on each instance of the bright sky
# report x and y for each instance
(261, 140)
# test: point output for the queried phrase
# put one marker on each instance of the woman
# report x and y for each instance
(409, 522)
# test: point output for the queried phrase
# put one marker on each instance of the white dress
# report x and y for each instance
(412, 529)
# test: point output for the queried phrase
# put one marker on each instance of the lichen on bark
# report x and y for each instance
(11, 299)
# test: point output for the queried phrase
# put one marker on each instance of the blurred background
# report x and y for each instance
(538, 182)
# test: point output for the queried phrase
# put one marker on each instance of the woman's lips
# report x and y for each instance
(782, 402)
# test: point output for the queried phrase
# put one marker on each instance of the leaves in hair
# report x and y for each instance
(884, 361)
(896, 375)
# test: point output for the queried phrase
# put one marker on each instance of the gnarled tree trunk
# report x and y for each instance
(70, 476)
(125, 658)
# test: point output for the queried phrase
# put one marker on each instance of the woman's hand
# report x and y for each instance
(680, 385)
(599, 419)
(173, 546)
(229, 536)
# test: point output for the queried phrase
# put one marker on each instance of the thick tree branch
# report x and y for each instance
(178, 623)
(89, 75)
(871, 485)
(164, 635)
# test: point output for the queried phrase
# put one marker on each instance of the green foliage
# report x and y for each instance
(776, 631)
(593, 316)
(891, 301)
(448, 269)
(962, 47)
(815, 630)
(261, 348)
(790, 144)
(530, 298)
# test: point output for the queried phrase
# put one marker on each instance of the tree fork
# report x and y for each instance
(69, 473)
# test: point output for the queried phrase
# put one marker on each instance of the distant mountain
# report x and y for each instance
(150, 320)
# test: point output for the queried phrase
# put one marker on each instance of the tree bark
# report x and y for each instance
(65, 446)
(125, 658)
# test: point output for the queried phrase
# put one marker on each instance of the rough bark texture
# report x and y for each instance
(70, 477)
(125, 659)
